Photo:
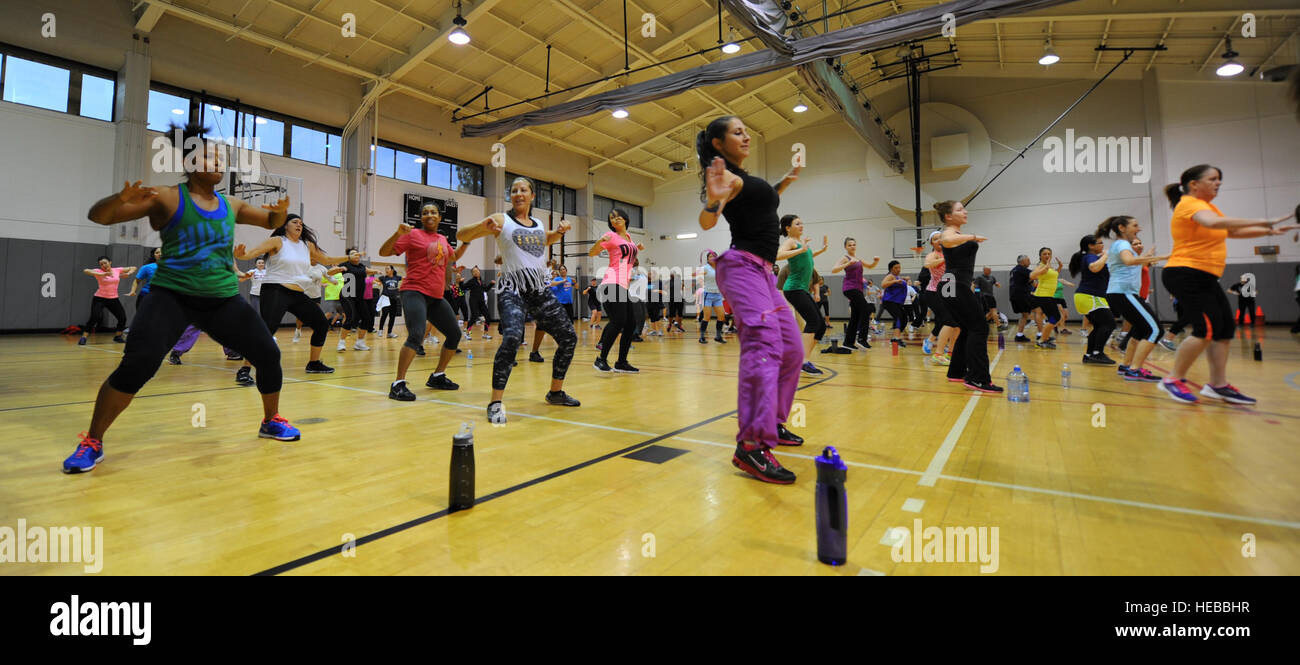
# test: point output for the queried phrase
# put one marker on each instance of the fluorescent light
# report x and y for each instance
(1049, 57)
(178, 112)
(687, 236)
(620, 113)
(372, 147)
(419, 160)
(799, 106)
(731, 47)
(1230, 68)
(261, 121)
(459, 37)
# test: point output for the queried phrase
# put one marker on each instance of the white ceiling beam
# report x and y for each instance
(149, 17)
(1123, 16)
(1168, 26)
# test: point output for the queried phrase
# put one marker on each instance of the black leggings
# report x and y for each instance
(1103, 324)
(1137, 312)
(1245, 308)
(359, 315)
(859, 319)
(1205, 306)
(391, 312)
(622, 324)
(551, 319)
(895, 310)
(114, 306)
(230, 322)
(420, 307)
(1049, 307)
(638, 316)
(477, 309)
(970, 354)
(807, 308)
(918, 311)
(942, 314)
(276, 300)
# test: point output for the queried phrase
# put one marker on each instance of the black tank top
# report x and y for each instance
(755, 227)
(960, 261)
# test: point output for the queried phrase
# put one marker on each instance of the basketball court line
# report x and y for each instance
(950, 442)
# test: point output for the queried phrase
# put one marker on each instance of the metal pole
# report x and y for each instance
(914, 100)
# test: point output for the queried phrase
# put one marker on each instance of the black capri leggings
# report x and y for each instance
(114, 307)
(391, 312)
(970, 354)
(419, 308)
(618, 306)
(942, 313)
(277, 299)
(895, 310)
(230, 322)
(1050, 308)
(859, 316)
(477, 310)
(551, 319)
(1137, 312)
(1205, 305)
(807, 308)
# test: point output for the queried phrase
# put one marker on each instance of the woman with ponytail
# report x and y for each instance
(1090, 297)
(1124, 293)
(1192, 275)
(970, 355)
(770, 352)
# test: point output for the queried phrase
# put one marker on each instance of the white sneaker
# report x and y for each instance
(360, 346)
(469, 337)
(343, 346)
(392, 335)
(297, 336)
(486, 336)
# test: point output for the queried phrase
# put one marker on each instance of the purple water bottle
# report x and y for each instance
(832, 508)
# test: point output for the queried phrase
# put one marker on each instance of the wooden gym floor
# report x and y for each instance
(1161, 489)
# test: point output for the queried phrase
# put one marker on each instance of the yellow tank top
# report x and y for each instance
(1046, 284)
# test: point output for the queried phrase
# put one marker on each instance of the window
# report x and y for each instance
(333, 150)
(269, 134)
(439, 174)
(408, 168)
(307, 144)
(467, 178)
(96, 97)
(604, 206)
(384, 161)
(165, 110)
(221, 121)
(36, 84)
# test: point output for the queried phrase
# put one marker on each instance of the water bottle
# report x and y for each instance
(1065, 376)
(1017, 385)
(832, 508)
(469, 359)
(1002, 342)
(461, 492)
(1259, 352)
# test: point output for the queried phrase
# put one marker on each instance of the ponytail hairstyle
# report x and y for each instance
(1076, 261)
(1175, 191)
(944, 208)
(1112, 225)
(717, 129)
(191, 130)
(307, 234)
(532, 189)
(786, 221)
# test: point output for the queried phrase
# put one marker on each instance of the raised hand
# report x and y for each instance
(239, 250)
(134, 193)
(564, 226)
(495, 226)
(280, 206)
(715, 180)
(980, 238)
(403, 229)
(825, 242)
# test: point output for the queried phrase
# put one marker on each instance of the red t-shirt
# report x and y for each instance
(421, 275)
(1146, 283)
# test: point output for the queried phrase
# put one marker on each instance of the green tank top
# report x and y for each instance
(801, 267)
(198, 250)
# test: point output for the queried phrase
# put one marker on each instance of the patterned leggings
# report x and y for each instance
(551, 319)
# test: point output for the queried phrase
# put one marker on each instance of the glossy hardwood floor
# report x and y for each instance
(1107, 477)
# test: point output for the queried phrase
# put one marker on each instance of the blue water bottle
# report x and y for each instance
(832, 508)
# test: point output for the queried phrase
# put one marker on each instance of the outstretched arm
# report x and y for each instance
(268, 216)
(133, 202)
(491, 225)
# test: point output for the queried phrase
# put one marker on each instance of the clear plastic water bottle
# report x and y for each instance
(1065, 375)
(469, 359)
(1017, 386)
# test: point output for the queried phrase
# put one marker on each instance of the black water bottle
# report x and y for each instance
(461, 492)
(832, 508)
(1259, 352)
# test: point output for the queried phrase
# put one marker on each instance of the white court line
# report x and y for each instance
(731, 446)
(913, 505)
(945, 451)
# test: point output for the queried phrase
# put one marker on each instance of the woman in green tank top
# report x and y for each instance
(195, 284)
(796, 286)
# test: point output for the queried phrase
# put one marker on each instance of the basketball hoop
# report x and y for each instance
(917, 251)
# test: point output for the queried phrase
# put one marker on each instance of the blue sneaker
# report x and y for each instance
(279, 429)
(1178, 390)
(810, 368)
(926, 346)
(1121, 370)
(89, 453)
(1226, 393)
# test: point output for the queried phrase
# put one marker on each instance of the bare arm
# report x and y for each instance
(490, 225)
(1209, 220)
(952, 239)
(825, 246)
(1100, 263)
(789, 179)
(933, 259)
(788, 250)
(460, 251)
(562, 228)
(597, 248)
(840, 265)
(269, 246)
(322, 258)
(387, 248)
(1258, 231)
(133, 202)
(1038, 271)
(268, 216)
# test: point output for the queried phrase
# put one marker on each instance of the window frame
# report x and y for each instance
(75, 72)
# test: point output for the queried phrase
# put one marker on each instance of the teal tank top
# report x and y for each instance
(801, 268)
(198, 250)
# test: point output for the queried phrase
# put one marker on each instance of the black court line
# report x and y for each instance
(328, 552)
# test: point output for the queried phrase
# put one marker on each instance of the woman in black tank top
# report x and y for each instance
(770, 350)
(970, 356)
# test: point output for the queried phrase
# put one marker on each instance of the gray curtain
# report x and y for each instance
(875, 34)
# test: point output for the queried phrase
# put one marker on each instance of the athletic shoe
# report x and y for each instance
(496, 413)
(343, 346)
(81, 342)
(318, 367)
(469, 337)
(244, 377)
(984, 387)
(89, 453)
(638, 338)
(1168, 345)
(392, 335)
(119, 339)
(560, 398)
(1021, 339)
(940, 360)
(361, 346)
(1121, 369)
(400, 392)
(419, 351)
(624, 367)
(174, 358)
(1097, 359)
(787, 438)
(297, 336)
(234, 356)
(702, 340)
(1063, 331)
(602, 366)
(1178, 390)
(1141, 374)
(1227, 393)
(441, 382)
(954, 379)
(486, 336)
(850, 347)
(279, 429)
(718, 339)
(760, 464)
(600, 346)
(927, 346)
(1049, 344)
(809, 368)
(536, 357)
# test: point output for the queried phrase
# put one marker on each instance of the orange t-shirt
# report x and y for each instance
(1194, 245)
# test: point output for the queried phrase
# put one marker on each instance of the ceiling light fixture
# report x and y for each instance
(1049, 54)
(620, 113)
(1231, 67)
(458, 36)
(799, 106)
(731, 46)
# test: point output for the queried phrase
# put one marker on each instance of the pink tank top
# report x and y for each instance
(108, 283)
(936, 276)
(622, 254)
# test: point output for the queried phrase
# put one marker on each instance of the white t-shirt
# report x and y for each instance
(312, 285)
(522, 248)
(911, 295)
(259, 274)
